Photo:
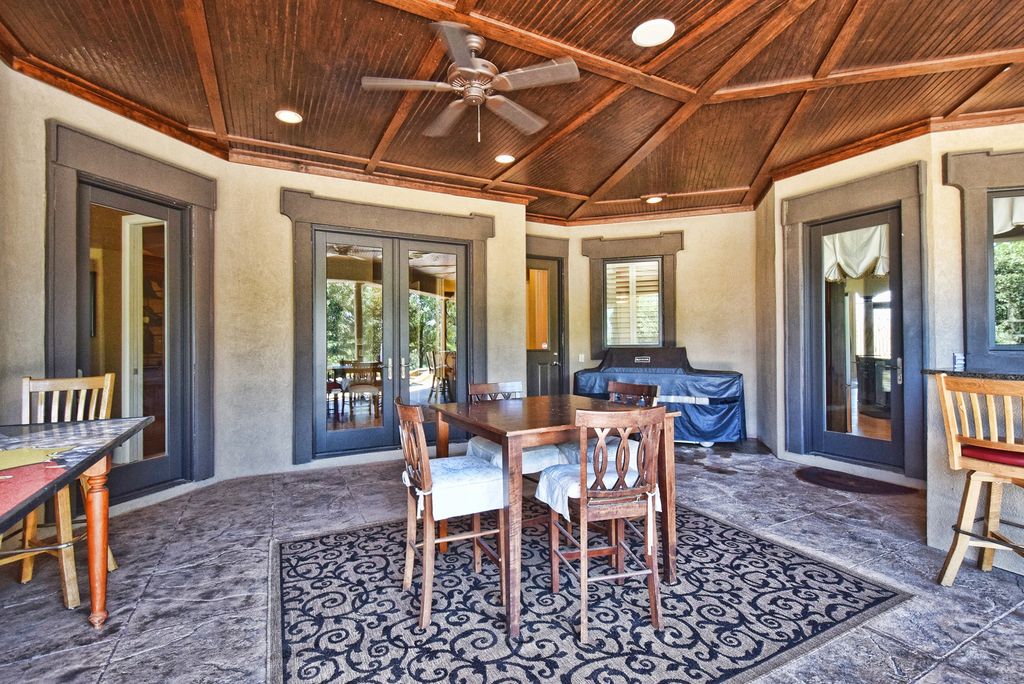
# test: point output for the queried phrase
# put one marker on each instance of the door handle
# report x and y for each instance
(401, 369)
(390, 374)
(555, 363)
(899, 370)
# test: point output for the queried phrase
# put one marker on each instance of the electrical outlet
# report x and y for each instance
(583, 358)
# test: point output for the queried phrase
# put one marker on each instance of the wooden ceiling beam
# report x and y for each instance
(428, 65)
(10, 47)
(195, 18)
(994, 80)
(762, 37)
(493, 29)
(885, 72)
(848, 28)
(704, 28)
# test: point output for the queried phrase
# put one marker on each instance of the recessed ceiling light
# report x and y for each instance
(288, 116)
(653, 32)
(654, 200)
(504, 159)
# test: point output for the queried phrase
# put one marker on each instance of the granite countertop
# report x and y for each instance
(988, 375)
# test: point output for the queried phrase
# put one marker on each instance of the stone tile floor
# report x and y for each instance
(189, 603)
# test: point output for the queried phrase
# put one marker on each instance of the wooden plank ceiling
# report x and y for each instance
(745, 92)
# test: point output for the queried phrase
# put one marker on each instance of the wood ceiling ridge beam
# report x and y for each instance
(870, 74)
(843, 38)
(779, 21)
(195, 18)
(428, 65)
(50, 74)
(702, 30)
(502, 32)
(993, 80)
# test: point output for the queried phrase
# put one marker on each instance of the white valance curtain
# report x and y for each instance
(1007, 214)
(856, 253)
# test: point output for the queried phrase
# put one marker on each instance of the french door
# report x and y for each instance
(388, 322)
(857, 339)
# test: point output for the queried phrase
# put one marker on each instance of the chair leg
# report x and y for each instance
(410, 538)
(28, 539)
(83, 485)
(958, 549)
(553, 547)
(66, 556)
(428, 569)
(584, 570)
(477, 555)
(620, 538)
(502, 554)
(995, 503)
(651, 556)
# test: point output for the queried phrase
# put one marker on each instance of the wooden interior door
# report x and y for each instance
(544, 348)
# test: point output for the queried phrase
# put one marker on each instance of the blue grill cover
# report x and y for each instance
(711, 402)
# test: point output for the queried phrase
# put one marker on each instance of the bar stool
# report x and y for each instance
(984, 429)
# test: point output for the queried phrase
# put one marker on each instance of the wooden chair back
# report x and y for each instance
(983, 413)
(366, 373)
(494, 391)
(58, 400)
(632, 394)
(635, 479)
(414, 445)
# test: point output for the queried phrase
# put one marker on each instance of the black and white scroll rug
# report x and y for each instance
(742, 606)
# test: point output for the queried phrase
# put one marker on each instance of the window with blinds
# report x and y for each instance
(632, 303)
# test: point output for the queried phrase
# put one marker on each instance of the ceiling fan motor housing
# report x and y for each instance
(473, 84)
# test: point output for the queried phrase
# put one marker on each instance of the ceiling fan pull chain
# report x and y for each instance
(478, 123)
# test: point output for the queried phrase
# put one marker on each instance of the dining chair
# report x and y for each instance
(58, 400)
(984, 422)
(619, 393)
(611, 483)
(365, 380)
(535, 459)
(443, 488)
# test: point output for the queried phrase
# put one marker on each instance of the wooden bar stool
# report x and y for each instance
(983, 436)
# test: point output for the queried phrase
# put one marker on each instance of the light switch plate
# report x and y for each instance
(583, 358)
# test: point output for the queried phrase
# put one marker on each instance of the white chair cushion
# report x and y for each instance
(572, 449)
(535, 459)
(560, 483)
(462, 485)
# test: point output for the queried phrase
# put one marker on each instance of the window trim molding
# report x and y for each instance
(599, 250)
(308, 213)
(976, 175)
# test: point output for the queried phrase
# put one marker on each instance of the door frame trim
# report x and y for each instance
(74, 158)
(903, 188)
(308, 212)
(538, 247)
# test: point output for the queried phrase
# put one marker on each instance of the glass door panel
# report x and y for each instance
(858, 405)
(353, 353)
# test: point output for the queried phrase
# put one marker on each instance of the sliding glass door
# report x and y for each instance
(386, 324)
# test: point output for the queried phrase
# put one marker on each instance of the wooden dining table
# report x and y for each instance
(516, 424)
(80, 448)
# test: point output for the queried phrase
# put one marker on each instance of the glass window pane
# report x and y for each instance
(355, 318)
(632, 303)
(433, 327)
(1008, 269)
(538, 335)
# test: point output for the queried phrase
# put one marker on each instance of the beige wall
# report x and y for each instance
(252, 269)
(943, 297)
(715, 291)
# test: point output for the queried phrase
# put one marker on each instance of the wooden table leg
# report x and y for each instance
(97, 506)
(441, 449)
(667, 489)
(512, 465)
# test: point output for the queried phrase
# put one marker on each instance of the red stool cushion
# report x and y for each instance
(1013, 458)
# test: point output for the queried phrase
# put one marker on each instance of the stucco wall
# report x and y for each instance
(252, 269)
(715, 291)
(943, 296)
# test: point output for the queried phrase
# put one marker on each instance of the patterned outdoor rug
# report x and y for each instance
(742, 606)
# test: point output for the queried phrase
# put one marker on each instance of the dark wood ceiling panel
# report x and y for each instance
(309, 55)
(841, 116)
(926, 29)
(798, 50)
(139, 50)
(559, 207)
(581, 161)
(459, 151)
(690, 160)
(604, 27)
(1008, 94)
(695, 65)
(670, 204)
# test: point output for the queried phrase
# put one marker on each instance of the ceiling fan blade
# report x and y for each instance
(561, 70)
(517, 115)
(377, 83)
(445, 120)
(454, 37)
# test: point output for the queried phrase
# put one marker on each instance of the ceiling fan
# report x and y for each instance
(475, 81)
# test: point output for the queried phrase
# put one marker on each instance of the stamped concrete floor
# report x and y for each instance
(189, 603)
